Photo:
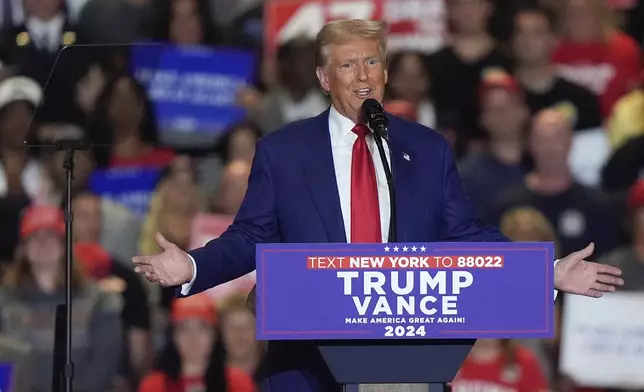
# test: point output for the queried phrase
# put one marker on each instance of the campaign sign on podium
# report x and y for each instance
(405, 291)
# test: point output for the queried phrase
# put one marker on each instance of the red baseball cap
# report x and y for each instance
(200, 306)
(95, 260)
(497, 78)
(636, 196)
(42, 217)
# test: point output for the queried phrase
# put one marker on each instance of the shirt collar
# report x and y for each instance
(339, 125)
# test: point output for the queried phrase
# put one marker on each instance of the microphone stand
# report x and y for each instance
(66, 368)
(381, 133)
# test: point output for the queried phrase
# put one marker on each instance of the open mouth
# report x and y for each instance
(363, 93)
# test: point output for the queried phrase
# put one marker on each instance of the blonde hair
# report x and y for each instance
(512, 223)
(341, 31)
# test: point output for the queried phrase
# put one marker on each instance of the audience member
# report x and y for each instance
(33, 288)
(580, 215)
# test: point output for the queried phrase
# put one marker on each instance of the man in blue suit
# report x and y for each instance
(321, 180)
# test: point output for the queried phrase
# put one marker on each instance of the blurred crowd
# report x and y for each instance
(543, 102)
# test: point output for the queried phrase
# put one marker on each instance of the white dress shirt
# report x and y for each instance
(46, 34)
(342, 140)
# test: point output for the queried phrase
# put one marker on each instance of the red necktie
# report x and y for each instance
(365, 210)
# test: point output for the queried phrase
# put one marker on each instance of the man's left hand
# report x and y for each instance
(575, 275)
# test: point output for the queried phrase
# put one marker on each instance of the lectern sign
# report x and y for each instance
(405, 291)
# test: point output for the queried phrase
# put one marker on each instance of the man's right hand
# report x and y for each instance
(173, 267)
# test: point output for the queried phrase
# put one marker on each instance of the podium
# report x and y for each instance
(403, 313)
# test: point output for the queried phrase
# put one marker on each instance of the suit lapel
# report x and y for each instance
(320, 174)
(403, 171)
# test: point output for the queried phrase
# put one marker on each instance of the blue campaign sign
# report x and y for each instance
(193, 89)
(130, 186)
(409, 291)
(6, 377)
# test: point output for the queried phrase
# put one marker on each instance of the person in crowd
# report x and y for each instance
(594, 53)
(194, 357)
(533, 43)
(238, 143)
(114, 276)
(627, 118)
(33, 48)
(296, 95)
(502, 163)
(456, 69)
(173, 206)
(409, 81)
(96, 20)
(579, 214)
(500, 364)
(301, 189)
(527, 224)
(237, 324)
(124, 121)
(186, 23)
(630, 258)
(21, 173)
(33, 287)
(232, 188)
(624, 167)
(120, 229)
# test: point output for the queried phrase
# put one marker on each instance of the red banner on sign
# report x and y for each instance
(413, 24)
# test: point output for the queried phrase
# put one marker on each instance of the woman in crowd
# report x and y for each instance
(237, 324)
(124, 120)
(195, 358)
(409, 81)
(503, 364)
(238, 143)
(33, 287)
(186, 23)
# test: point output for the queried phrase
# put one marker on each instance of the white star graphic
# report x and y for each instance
(386, 249)
(413, 248)
(405, 249)
(396, 249)
(422, 248)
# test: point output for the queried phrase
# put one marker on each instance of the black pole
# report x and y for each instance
(378, 136)
(67, 371)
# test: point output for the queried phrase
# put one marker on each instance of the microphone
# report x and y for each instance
(374, 114)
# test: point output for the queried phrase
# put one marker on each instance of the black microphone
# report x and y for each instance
(374, 114)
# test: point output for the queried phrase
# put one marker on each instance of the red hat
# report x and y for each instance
(199, 306)
(95, 260)
(401, 108)
(42, 217)
(497, 78)
(636, 196)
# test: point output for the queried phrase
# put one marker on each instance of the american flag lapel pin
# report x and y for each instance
(406, 156)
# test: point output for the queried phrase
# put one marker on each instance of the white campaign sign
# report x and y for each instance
(602, 340)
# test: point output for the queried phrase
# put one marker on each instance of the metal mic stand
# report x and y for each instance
(66, 368)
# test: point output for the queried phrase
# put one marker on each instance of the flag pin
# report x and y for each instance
(406, 156)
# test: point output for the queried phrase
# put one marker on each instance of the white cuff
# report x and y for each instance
(185, 288)
(556, 261)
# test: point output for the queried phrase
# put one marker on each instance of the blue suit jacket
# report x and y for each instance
(292, 197)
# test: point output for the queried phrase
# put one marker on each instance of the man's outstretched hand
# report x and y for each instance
(173, 267)
(575, 275)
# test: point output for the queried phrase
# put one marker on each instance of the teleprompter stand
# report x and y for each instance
(63, 365)
(434, 362)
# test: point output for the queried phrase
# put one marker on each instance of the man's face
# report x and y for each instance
(533, 39)
(14, 124)
(42, 9)
(355, 71)
(503, 114)
(87, 218)
(469, 16)
(550, 141)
